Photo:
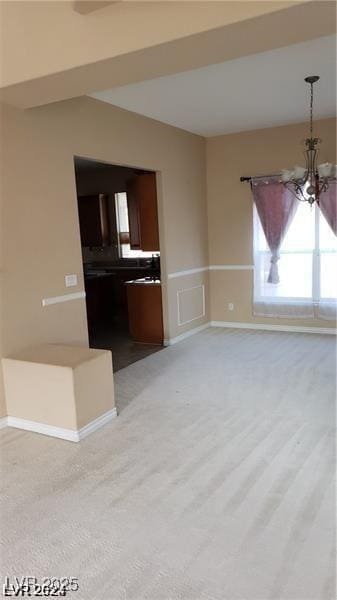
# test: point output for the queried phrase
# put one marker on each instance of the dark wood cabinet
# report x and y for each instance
(106, 298)
(145, 312)
(99, 301)
(94, 220)
(143, 213)
(133, 214)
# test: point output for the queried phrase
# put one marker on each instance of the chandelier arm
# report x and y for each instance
(322, 185)
(296, 190)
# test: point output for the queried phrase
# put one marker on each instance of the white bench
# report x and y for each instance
(57, 390)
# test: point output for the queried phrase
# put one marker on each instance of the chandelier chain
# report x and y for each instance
(311, 106)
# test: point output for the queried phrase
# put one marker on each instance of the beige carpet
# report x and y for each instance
(216, 482)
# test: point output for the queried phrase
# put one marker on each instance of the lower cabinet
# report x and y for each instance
(145, 312)
(99, 298)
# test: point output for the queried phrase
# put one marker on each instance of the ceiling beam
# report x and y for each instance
(297, 23)
(85, 7)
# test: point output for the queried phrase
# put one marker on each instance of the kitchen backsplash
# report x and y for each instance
(108, 255)
(105, 254)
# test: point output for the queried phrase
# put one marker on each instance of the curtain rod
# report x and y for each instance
(242, 179)
(259, 176)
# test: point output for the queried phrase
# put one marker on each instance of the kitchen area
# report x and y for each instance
(118, 218)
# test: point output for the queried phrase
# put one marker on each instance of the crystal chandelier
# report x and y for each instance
(307, 183)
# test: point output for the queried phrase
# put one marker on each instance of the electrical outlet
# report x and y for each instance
(71, 280)
(230, 306)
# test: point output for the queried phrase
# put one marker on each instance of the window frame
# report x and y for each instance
(141, 255)
(316, 253)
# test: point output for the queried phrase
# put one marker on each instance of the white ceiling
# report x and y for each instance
(252, 92)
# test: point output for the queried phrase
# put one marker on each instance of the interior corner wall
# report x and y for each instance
(230, 210)
(3, 410)
(41, 229)
(2, 392)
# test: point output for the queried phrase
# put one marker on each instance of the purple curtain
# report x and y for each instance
(276, 206)
(328, 205)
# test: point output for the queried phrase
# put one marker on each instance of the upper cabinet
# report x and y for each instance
(143, 213)
(133, 215)
(94, 220)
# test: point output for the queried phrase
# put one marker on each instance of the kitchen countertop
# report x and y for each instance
(144, 281)
(117, 267)
(97, 275)
(98, 272)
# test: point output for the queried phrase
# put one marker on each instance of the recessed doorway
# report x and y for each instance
(118, 216)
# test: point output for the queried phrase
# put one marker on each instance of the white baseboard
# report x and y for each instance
(3, 422)
(71, 435)
(187, 334)
(256, 326)
(66, 434)
(268, 327)
(97, 423)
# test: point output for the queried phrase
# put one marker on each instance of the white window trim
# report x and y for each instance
(315, 301)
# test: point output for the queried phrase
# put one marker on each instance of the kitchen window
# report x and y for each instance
(123, 230)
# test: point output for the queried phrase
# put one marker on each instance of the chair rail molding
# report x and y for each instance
(231, 267)
(64, 298)
(186, 272)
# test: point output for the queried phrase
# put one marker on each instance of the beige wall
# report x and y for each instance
(41, 230)
(230, 208)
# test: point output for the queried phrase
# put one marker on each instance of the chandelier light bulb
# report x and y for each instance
(324, 170)
(299, 172)
(286, 175)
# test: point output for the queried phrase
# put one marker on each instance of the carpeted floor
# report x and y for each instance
(216, 482)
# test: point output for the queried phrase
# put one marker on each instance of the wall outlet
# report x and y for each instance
(70, 280)
(230, 306)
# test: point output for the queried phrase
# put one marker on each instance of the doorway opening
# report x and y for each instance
(118, 218)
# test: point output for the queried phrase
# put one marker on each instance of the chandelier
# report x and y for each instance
(307, 183)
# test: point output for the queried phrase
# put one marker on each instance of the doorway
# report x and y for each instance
(118, 218)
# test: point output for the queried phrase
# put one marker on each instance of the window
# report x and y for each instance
(122, 217)
(307, 268)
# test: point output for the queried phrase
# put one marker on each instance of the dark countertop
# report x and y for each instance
(99, 271)
(116, 267)
(98, 275)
